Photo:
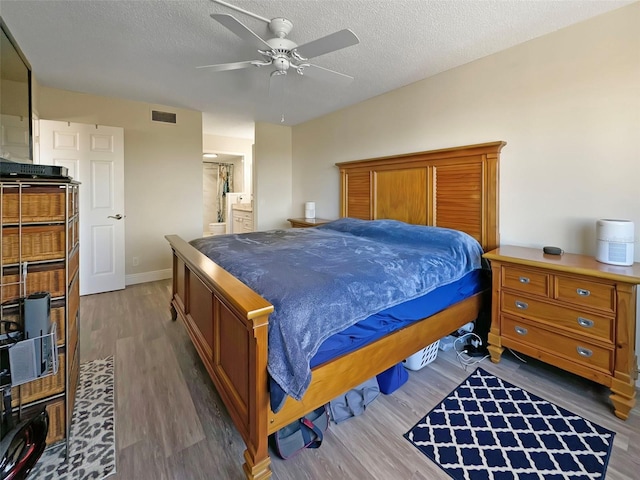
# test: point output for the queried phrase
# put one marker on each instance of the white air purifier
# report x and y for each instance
(310, 210)
(614, 241)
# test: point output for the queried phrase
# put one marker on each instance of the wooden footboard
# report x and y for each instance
(227, 322)
(333, 378)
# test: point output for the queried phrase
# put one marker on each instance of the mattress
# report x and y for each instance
(395, 318)
(324, 280)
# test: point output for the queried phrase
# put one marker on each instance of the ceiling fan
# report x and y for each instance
(280, 52)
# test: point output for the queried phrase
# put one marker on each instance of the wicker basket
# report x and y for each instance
(74, 377)
(74, 264)
(38, 243)
(74, 235)
(40, 278)
(422, 358)
(73, 305)
(57, 317)
(39, 204)
(73, 202)
(57, 426)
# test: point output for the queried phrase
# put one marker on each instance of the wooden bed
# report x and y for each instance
(228, 322)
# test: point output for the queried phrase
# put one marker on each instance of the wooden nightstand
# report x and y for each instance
(307, 222)
(570, 311)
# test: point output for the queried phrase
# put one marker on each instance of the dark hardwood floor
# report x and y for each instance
(171, 424)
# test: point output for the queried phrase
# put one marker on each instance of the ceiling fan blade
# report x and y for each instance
(240, 30)
(324, 74)
(330, 43)
(221, 67)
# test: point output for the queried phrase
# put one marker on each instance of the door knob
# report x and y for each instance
(117, 217)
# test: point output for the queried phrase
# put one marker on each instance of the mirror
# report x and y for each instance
(15, 100)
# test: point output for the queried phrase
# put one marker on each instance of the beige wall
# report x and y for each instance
(272, 183)
(163, 172)
(567, 104)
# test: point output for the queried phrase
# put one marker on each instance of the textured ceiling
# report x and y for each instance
(148, 50)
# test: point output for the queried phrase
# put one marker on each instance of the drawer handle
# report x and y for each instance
(582, 292)
(584, 352)
(585, 322)
(521, 330)
(524, 279)
(521, 305)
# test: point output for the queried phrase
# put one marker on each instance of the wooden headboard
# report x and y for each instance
(454, 188)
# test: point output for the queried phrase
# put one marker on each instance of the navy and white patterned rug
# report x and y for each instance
(92, 444)
(489, 429)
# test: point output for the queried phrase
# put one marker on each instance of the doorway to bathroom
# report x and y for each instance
(223, 183)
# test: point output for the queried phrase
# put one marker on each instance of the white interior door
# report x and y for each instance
(94, 155)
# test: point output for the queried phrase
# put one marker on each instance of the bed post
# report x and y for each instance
(174, 286)
(257, 464)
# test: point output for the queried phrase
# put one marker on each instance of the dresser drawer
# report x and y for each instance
(242, 222)
(599, 327)
(573, 349)
(242, 215)
(587, 293)
(524, 280)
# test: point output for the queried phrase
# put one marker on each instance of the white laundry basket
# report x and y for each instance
(423, 357)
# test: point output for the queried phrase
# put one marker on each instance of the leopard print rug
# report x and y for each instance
(92, 444)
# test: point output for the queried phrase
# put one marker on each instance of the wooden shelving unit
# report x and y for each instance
(39, 252)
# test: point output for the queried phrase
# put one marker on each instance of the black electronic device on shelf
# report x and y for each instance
(11, 169)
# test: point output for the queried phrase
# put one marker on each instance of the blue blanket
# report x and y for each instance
(322, 280)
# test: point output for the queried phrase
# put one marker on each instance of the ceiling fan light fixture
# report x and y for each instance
(281, 63)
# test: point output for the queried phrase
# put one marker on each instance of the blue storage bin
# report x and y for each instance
(392, 379)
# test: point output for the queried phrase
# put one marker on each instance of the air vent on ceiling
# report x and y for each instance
(163, 117)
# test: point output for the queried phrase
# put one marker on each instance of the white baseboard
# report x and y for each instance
(147, 276)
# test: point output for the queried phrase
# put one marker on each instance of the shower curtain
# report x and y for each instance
(225, 185)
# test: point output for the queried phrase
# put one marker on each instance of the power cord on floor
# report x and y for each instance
(465, 359)
(517, 356)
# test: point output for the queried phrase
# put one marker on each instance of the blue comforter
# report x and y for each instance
(322, 280)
